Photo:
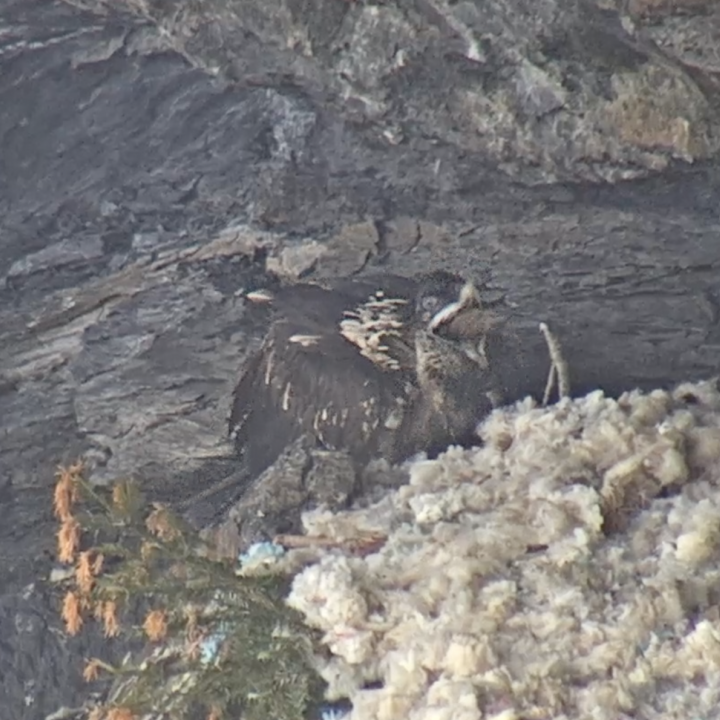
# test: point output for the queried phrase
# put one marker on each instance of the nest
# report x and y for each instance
(566, 569)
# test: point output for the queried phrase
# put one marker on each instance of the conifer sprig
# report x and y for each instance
(216, 643)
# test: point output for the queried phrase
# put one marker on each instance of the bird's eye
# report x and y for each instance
(430, 303)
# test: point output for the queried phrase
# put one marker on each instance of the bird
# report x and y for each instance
(380, 366)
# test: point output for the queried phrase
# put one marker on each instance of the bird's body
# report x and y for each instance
(382, 366)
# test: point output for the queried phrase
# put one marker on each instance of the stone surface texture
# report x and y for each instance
(158, 158)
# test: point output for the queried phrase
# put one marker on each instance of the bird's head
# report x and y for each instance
(463, 322)
(451, 363)
(462, 317)
(450, 306)
(437, 290)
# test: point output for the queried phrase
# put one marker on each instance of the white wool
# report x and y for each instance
(569, 568)
(353, 645)
(326, 595)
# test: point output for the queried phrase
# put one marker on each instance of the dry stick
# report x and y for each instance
(549, 385)
(367, 542)
(558, 367)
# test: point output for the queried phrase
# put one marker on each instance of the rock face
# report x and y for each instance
(550, 90)
(158, 158)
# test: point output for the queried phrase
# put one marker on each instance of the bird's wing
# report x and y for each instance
(376, 314)
(307, 379)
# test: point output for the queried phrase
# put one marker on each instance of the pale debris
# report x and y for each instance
(369, 325)
(567, 569)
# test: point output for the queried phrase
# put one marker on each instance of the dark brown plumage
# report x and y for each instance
(378, 366)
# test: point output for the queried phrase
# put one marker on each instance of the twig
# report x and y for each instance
(365, 544)
(559, 371)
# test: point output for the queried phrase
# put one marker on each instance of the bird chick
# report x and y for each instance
(377, 366)
(456, 386)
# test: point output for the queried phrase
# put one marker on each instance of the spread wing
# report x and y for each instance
(307, 379)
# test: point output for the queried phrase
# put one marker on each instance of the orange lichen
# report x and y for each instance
(92, 670)
(71, 614)
(121, 496)
(84, 576)
(155, 625)
(62, 499)
(97, 565)
(66, 489)
(119, 714)
(109, 617)
(68, 539)
(159, 523)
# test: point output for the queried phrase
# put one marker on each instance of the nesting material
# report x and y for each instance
(569, 568)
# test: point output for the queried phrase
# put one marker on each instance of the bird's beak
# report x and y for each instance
(467, 298)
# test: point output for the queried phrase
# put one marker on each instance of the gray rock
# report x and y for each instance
(551, 90)
(152, 165)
